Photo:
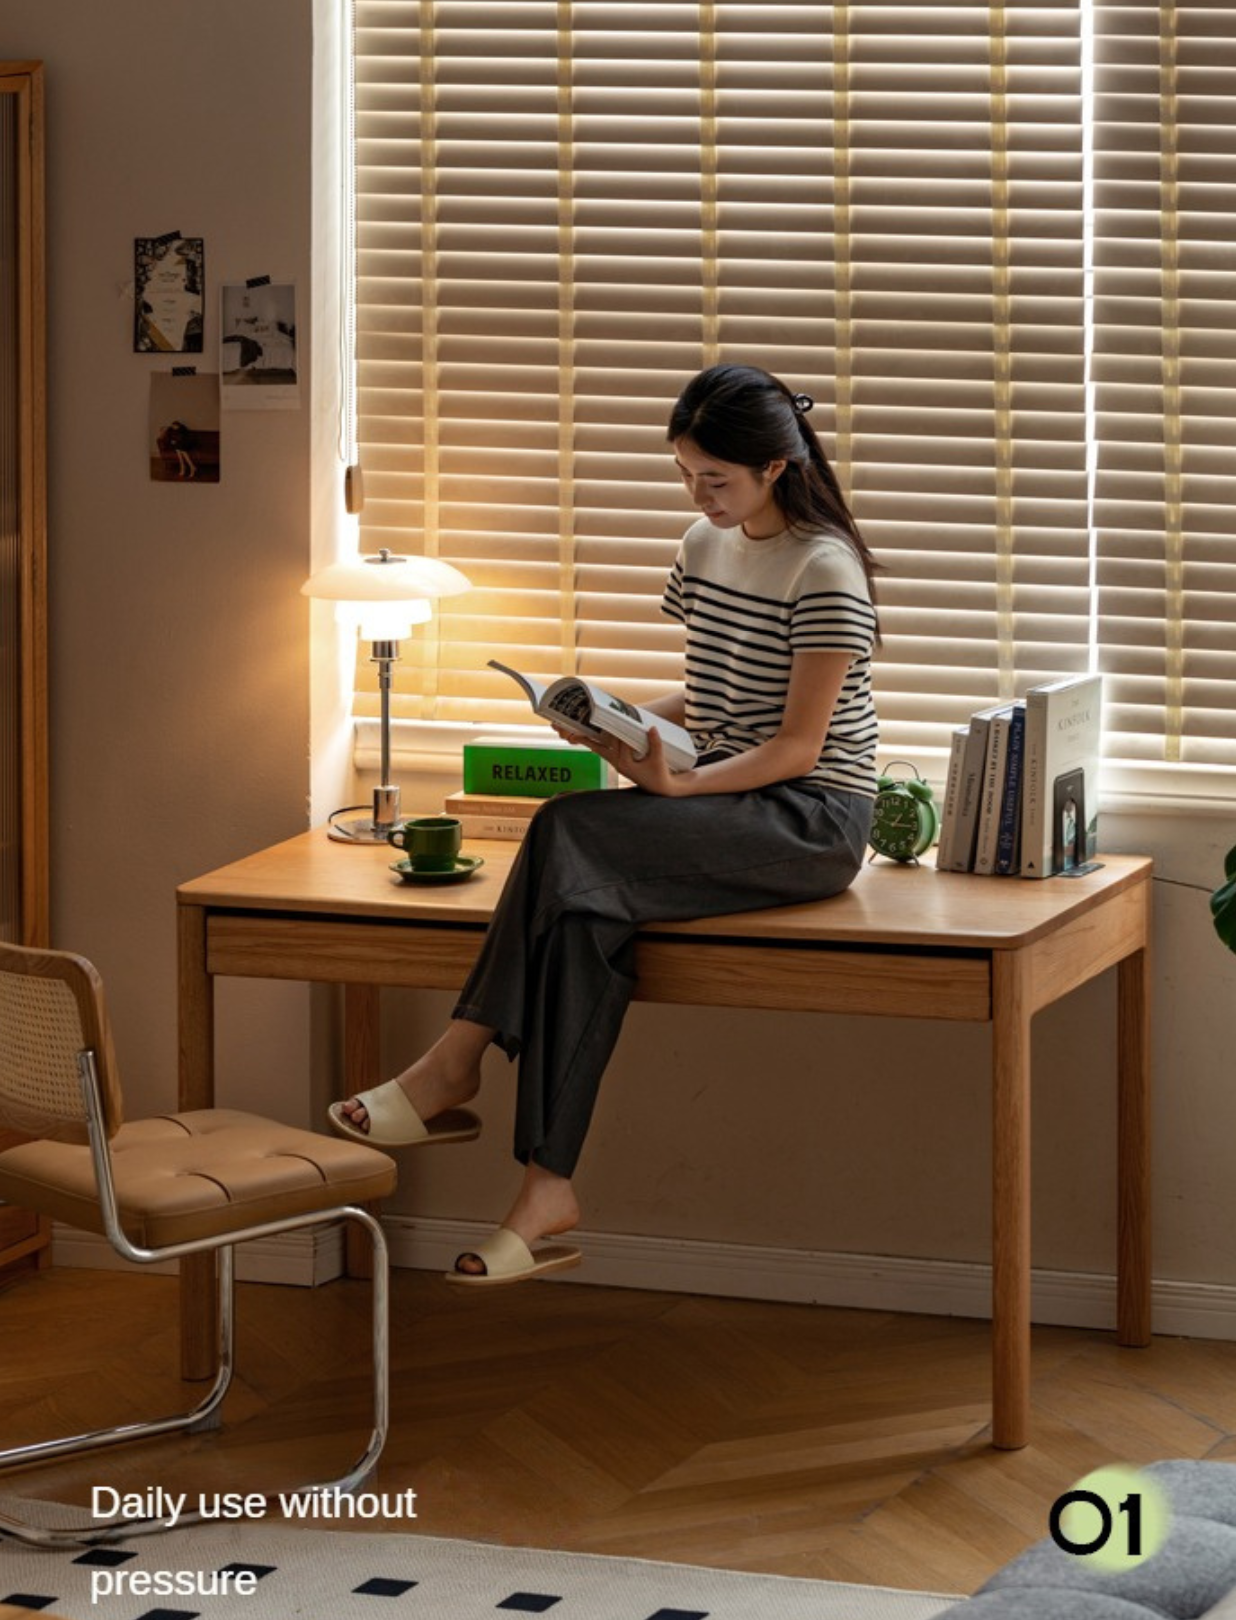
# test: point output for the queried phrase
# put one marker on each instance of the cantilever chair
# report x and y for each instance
(159, 1188)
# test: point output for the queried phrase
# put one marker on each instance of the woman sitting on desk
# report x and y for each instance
(773, 584)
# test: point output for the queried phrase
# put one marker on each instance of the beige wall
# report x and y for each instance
(179, 646)
(182, 725)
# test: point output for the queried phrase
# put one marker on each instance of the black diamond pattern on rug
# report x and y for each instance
(457, 1580)
(256, 1570)
(383, 1586)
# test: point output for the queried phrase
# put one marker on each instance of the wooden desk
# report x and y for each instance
(902, 942)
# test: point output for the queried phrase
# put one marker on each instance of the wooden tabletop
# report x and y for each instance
(887, 903)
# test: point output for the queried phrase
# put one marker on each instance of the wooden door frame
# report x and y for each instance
(24, 80)
(25, 1238)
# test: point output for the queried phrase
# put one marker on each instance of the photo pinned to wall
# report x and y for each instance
(184, 428)
(169, 284)
(257, 346)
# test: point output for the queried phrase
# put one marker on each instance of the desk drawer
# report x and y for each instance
(316, 949)
(685, 969)
(904, 984)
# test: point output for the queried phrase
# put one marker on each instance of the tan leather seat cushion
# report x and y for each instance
(187, 1176)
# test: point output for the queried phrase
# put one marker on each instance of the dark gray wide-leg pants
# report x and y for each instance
(556, 970)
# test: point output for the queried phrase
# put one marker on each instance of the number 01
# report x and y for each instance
(1131, 1507)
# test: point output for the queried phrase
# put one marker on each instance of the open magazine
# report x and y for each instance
(585, 710)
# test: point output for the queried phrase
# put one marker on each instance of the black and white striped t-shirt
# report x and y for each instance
(748, 606)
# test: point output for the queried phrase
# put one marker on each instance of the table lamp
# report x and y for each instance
(383, 596)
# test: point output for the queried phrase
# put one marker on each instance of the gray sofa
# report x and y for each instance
(1192, 1575)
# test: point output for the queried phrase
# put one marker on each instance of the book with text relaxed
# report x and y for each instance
(532, 768)
(1061, 790)
(585, 710)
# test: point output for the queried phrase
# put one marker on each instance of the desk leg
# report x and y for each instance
(361, 1070)
(1010, 1308)
(199, 1334)
(1133, 1136)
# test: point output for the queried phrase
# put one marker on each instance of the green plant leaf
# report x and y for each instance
(1223, 903)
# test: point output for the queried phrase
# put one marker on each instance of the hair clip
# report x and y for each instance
(803, 403)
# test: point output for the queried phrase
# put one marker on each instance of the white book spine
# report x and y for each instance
(972, 772)
(993, 789)
(1033, 819)
(945, 854)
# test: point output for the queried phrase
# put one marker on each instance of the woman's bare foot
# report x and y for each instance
(545, 1206)
(446, 1076)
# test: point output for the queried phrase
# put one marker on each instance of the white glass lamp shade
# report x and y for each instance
(383, 621)
(385, 595)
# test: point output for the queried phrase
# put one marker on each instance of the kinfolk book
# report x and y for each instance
(493, 815)
(1064, 731)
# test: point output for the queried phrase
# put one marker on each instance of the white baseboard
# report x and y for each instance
(728, 1270)
(857, 1281)
(300, 1259)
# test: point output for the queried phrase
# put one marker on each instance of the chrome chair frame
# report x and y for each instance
(205, 1415)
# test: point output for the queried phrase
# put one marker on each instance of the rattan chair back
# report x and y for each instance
(51, 1010)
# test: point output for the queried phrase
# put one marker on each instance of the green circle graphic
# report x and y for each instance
(1137, 1521)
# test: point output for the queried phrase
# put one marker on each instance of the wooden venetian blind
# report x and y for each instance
(1165, 376)
(987, 239)
(959, 159)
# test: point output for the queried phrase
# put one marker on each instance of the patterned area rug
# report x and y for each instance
(329, 1575)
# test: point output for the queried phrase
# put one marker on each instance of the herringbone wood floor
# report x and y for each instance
(845, 1445)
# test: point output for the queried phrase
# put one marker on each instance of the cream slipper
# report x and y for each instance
(394, 1123)
(508, 1259)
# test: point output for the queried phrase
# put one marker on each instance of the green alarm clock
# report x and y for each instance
(905, 820)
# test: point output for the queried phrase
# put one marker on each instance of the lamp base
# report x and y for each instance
(360, 830)
(370, 829)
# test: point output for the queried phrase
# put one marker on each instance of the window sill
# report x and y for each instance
(1127, 787)
(428, 745)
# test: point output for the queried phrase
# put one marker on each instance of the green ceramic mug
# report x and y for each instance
(431, 843)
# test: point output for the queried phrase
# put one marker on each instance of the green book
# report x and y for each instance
(529, 770)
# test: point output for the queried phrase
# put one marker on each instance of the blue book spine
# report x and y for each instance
(1008, 839)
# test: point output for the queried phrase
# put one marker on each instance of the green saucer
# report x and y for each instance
(464, 867)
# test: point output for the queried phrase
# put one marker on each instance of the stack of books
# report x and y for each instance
(1021, 792)
(506, 780)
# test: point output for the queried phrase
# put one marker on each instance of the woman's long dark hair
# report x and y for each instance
(749, 417)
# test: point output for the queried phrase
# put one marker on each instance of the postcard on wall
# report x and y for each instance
(184, 428)
(169, 282)
(257, 347)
